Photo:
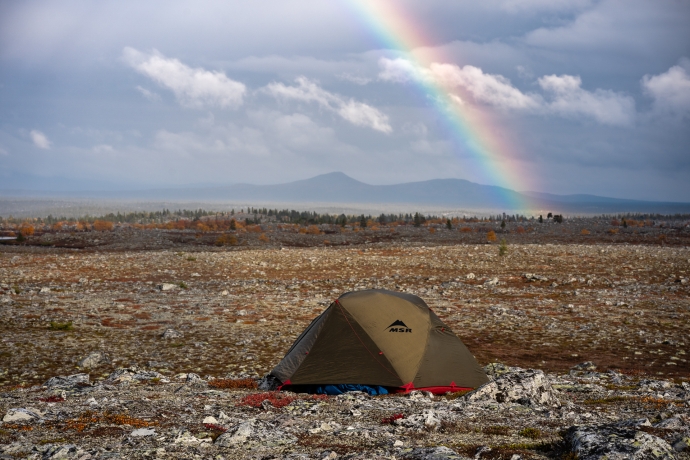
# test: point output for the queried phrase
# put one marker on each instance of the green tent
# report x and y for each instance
(380, 338)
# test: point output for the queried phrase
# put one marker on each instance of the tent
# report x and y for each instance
(379, 338)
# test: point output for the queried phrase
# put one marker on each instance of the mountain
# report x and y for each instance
(337, 187)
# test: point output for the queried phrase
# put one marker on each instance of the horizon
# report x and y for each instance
(26, 193)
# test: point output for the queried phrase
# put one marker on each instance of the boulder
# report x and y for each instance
(622, 440)
(528, 387)
(21, 415)
(269, 383)
(71, 381)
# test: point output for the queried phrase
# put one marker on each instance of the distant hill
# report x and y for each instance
(337, 187)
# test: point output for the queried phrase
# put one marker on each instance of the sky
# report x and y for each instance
(557, 96)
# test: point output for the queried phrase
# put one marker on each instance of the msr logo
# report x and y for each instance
(398, 326)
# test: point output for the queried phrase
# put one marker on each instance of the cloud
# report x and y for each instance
(495, 90)
(354, 79)
(568, 98)
(150, 95)
(193, 87)
(519, 6)
(671, 89)
(40, 140)
(562, 95)
(357, 113)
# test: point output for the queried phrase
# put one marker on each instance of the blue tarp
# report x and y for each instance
(344, 388)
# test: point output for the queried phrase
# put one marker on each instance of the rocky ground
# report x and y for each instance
(163, 303)
(136, 413)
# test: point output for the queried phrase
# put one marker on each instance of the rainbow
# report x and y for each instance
(472, 128)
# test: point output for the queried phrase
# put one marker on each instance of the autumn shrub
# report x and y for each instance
(26, 229)
(520, 230)
(491, 236)
(466, 230)
(313, 230)
(584, 232)
(432, 230)
(264, 238)
(391, 419)
(226, 240)
(615, 222)
(253, 228)
(276, 399)
(233, 384)
(303, 231)
(612, 231)
(102, 226)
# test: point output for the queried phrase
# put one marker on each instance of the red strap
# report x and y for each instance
(287, 382)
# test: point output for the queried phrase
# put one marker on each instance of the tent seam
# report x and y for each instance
(363, 344)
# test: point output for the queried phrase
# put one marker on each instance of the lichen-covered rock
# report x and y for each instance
(494, 370)
(121, 375)
(269, 383)
(253, 432)
(616, 441)
(68, 451)
(93, 359)
(21, 415)
(428, 420)
(433, 453)
(68, 382)
(527, 387)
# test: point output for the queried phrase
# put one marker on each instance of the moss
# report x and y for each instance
(57, 326)
(532, 433)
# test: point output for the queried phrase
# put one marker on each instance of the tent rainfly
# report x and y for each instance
(379, 338)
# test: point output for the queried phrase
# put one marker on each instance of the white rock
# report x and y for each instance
(210, 420)
(20, 415)
(140, 432)
(167, 286)
(93, 359)
(185, 438)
